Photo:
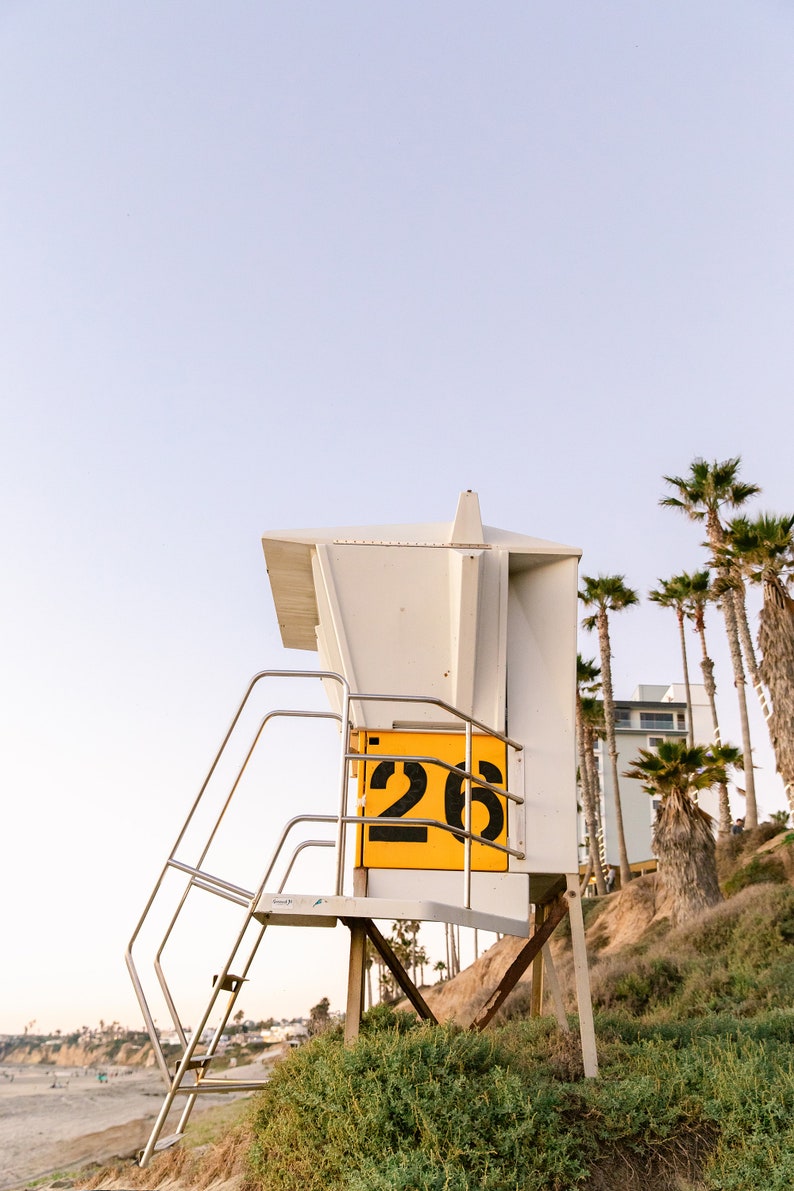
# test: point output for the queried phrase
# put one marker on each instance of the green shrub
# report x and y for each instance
(758, 870)
(592, 908)
(696, 1085)
(428, 1107)
(651, 982)
(736, 958)
(707, 1103)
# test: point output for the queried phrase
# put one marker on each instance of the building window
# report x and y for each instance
(622, 717)
(655, 741)
(681, 718)
(656, 719)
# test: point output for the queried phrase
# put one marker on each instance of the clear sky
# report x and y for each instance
(271, 265)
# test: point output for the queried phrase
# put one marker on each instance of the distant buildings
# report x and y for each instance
(284, 1031)
(653, 713)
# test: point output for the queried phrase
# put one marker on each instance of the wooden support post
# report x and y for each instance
(536, 996)
(356, 970)
(518, 967)
(582, 977)
(355, 979)
(555, 990)
(391, 961)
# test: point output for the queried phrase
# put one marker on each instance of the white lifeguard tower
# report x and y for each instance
(447, 656)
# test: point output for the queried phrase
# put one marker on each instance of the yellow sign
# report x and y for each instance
(416, 788)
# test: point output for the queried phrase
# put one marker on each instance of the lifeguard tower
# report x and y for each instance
(447, 668)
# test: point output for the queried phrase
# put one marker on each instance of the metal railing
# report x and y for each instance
(190, 1077)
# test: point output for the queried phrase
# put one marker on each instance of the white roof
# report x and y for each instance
(288, 555)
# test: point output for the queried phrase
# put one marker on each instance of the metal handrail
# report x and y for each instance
(458, 832)
(129, 960)
(342, 821)
(219, 885)
(368, 821)
(376, 758)
(199, 880)
(357, 697)
(275, 714)
(307, 843)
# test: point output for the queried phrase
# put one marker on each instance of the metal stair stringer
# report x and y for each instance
(190, 1077)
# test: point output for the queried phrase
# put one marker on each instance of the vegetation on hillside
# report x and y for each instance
(695, 1026)
(432, 1107)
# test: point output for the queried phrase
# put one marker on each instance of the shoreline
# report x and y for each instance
(55, 1119)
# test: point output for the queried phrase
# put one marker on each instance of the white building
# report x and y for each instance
(653, 714)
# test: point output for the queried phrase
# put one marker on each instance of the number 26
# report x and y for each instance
(454, 801)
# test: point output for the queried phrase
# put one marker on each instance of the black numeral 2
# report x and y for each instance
(454, 802)
(394, 833)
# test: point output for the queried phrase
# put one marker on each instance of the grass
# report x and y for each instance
(696, 1087)
(434, 1108)
(695, 1028)
(737, 958)
(211, 1126)
(214, 1149)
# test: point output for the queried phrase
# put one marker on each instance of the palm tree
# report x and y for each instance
(732, 575)
(609, 593)
(698, 592)
(587, 676)
(593, 730)
(682, 836)
(732, 758)
(702, 495)
(673, 593)
(763, 550)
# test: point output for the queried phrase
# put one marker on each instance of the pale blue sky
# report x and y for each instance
(272, 265)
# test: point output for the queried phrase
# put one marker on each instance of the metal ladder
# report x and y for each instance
(190, 1077)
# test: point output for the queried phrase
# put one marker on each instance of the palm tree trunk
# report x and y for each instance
(732, 630)
(588, 801)
(716, 535)
(690, 735)
(612, 748)
(684, 844)
(453, 961)
(595, 786)
(707, 667)
(767, 706)
(776, 641)
(749, 650)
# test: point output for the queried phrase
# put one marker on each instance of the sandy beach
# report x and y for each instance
(61, 1118)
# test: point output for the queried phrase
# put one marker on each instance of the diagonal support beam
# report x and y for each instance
(518, 967)
(384, 950)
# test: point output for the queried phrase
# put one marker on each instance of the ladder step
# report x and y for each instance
(199, 1062)
(229, 983)
(165, 1143)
